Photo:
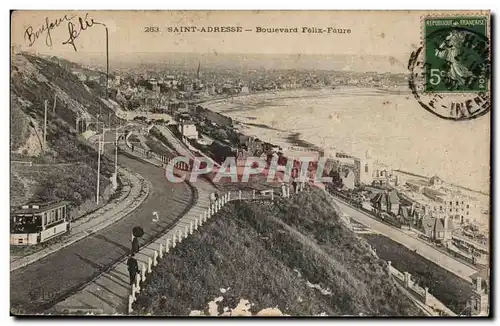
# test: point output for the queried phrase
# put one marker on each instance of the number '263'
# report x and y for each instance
(150, 29)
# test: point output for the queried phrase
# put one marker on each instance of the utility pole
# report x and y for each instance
(54, 107)
(98, 169)
(107, 60)
(116, 153)
(103, 142)
(45, 127)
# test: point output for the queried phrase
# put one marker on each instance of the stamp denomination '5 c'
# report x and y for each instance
(456, 54)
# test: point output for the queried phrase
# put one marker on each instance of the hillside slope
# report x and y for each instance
(34, 80)
(294, 255)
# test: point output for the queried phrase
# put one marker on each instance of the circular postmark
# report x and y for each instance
(450, 73)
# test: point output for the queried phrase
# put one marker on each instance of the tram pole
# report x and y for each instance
(98, 169)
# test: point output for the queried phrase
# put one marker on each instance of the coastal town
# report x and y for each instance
(119, 206)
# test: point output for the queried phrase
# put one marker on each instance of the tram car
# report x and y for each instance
(35, 223)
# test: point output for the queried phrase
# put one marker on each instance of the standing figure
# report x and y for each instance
(212, 198)
(133, 268)
(135, 245)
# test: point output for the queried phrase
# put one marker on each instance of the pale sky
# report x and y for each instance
(391, 33)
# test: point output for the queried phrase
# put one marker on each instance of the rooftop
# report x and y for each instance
(37, 207)
(419, 182)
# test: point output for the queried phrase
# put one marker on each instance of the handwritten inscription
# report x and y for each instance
(31, 35)
(76, 30)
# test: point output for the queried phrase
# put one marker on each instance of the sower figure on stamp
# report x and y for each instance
(133, 268)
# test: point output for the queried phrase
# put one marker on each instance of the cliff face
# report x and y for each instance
(294, 255)
(35, 80)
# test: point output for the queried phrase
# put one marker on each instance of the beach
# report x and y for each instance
(397, 130)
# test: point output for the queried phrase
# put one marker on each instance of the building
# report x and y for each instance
(348, 179)
(416, 185)
(387, 201)
(188, 130)
(384, 176)
(361, 167)
(438, 229)
(38, 222)
(366, 168)
(153, 82)
(479, 302)
(441, 201)
(460, 208)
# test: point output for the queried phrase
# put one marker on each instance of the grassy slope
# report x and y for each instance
(256, 248)
(34, 80)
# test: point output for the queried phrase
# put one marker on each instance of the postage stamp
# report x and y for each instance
(450, 72)
(456, 54)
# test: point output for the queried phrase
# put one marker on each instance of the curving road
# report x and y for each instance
(38, 286)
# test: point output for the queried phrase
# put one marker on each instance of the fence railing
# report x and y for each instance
(194, 224)
(406, 280)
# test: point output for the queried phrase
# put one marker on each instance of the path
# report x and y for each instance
(399, 236)
(109, 293)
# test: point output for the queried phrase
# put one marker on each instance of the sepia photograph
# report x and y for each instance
(250, 163)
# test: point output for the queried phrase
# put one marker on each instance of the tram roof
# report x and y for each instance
(37, 207)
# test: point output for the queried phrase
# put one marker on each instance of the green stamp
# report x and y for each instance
(456, 52)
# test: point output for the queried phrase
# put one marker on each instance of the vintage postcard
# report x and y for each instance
(250, 163)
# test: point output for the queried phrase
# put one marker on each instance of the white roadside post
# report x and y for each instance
(167, 245)
(133, 291)
(191, 227)
(150, 262)
(161, 250)
(253, 194)
(205, 215)
(155, 258)
(228, 196)
(130, 301)
(137, 283)
(185, 232)
(196, 223)
(180, 235)
(239, 195)
(173, 242)
(143, 272)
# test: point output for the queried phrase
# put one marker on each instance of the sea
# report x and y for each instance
(389, 123)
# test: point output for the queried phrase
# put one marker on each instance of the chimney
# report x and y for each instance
(479, 283)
